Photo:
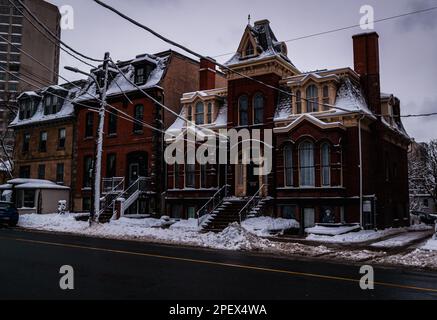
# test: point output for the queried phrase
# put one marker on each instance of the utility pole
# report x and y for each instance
(99, 143)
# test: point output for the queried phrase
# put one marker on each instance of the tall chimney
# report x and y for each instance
(366, 64)
(207, 74)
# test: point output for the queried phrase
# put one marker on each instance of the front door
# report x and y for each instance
(252, 180)
(309, 217)
(133, 172)
(136, 166)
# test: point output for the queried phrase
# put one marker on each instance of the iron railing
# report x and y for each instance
(212, 203)
(253, 202)
(112, 185)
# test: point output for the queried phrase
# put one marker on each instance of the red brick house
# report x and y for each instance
(132, 164)
(319, 121)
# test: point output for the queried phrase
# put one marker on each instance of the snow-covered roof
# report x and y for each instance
(66, 110)
(22, 183)
(35, 185)
(180, 126)
(119, 84)
(350, 98)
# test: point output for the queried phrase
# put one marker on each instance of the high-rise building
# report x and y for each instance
(20, 32)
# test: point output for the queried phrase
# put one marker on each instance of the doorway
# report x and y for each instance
(137, 164)
(309, 217)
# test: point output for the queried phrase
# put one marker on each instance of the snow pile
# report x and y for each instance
(356, 237)
(331, 230)
(417, 258)
(357, 255)
(263, 226)
(430, 245)
(190, 224)
(401, 240)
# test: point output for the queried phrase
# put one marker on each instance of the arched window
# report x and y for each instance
(249, 49)
(325, 97)
(298, 102)
(243, 118)
(190, 170)
(209, 113)
(258, 108)
(326, 164)
(306, 164)
(190, 113)
(200, 113)
(312, 98)
(288, 165)
(139, 116)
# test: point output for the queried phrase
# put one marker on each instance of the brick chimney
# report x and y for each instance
(366, 64)
(207, 75)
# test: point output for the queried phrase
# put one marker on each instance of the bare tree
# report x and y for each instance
(422, 167)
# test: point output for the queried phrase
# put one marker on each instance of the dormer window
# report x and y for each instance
(142, 73)
(249, 50)
(51, 104)
(26, 109)
(200, 113)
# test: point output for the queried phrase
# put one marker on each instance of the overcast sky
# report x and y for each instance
(408, 46)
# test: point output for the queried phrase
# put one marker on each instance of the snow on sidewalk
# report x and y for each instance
(264, 226)
(234, 237)
(355, 237)
(401, 240)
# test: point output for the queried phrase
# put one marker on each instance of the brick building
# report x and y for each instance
(44, 133)
(132, 163)
(319, 121)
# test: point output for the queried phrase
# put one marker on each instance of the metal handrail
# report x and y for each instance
(250, 201)
(198, 213)
(111, 194)
(114, 182)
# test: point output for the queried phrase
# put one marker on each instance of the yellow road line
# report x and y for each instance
(231, 265)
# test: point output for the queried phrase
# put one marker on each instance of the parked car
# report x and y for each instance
(8, 214)
(424, 217)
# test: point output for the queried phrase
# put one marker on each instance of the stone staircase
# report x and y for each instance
(225, 214)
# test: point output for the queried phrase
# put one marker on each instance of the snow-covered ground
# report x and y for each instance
(401, 240)
(265, 226)
(430, 245)
(331, 230)
(355, 237)
(234, 237)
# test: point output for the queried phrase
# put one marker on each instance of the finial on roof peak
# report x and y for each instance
(248, 19)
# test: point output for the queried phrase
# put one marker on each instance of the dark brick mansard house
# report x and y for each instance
(317, 129)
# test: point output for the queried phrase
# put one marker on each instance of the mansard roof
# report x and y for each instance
(67, 90)
(265, 44)
(118, 84)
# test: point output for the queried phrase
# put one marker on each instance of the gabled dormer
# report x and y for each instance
(99, 74)
(28, 104)
(53, 99)
(143, 66)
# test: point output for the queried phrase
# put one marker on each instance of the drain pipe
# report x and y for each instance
(361, 168)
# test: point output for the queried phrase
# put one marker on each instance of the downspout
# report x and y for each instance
(361, 168)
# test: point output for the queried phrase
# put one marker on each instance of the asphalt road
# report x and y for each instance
(114, 269)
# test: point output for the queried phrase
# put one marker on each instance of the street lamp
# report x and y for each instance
(99, 143)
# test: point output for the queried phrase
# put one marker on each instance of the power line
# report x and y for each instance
(344, 28)
(198, 55)
(133, 21)
(48, 38)
(52, 34)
